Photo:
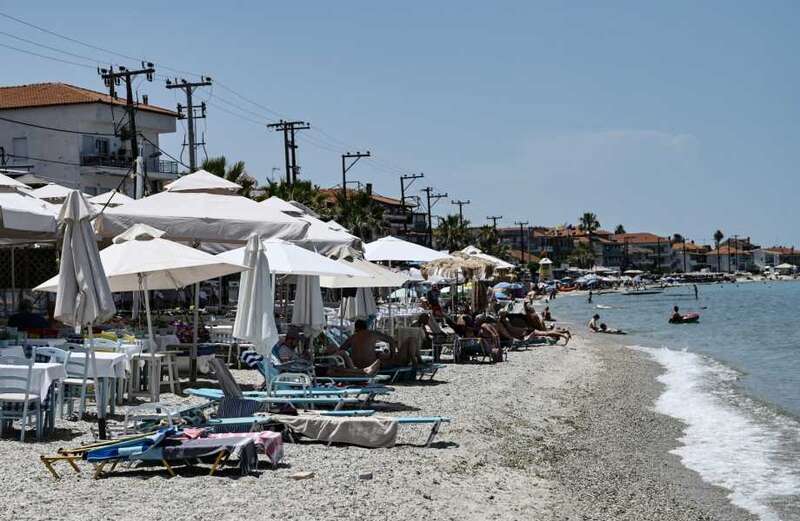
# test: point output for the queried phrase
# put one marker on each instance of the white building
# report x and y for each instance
(764, 258)
(90, 157)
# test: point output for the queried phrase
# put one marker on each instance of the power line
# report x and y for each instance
(56, 49)
(53, 58)
(55, 161)
(164, 152)
(54, 129)
(245, 118)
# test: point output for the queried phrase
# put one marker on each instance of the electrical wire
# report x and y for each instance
(53, 58)
(54, 129)
(54, 161)
(163, 151)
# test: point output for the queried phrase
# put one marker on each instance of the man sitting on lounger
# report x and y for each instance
(362, 344)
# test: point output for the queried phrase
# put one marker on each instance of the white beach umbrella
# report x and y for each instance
(111, 199)
(141, 251)
(499, 264)
(308, 312)
(255, 315)
(394, 249)
(361, 306)
(286, 258)
(321, 237)
(202, 207)
(375, 276)
(23, 215)
(84, 296)
(55, 193)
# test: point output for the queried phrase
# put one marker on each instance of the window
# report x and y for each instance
(101, 147)
(19, 147)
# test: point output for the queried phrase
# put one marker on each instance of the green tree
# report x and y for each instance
(360, 214)
(303, 192)
(236, 173)
(451, 233)
(619, 229)
(677, 238)
(718, 236)
(582, 256)
(488, 241)
(588, 223)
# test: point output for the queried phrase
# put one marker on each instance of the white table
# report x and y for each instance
(42, 376)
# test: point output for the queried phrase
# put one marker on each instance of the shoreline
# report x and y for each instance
(554, 433)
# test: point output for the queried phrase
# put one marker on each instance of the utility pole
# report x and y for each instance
(494, 219)
(112, 78)
(190, 115)
(289, 147)
(435, 197)
(522, 224)
(657, 258)
(403, 187)
(460, 204)
(346, 168)
(684, 254)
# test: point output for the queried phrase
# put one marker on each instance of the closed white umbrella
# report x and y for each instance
(361, 306)
(255, 318)
(84, 297)
(286, 258)
(308, 312)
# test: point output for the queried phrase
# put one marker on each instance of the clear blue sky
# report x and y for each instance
(676, 117)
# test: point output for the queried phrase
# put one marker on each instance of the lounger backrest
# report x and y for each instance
(226, 381)
(236, 408)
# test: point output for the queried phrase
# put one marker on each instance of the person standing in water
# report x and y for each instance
(696, 295)
(590, 297)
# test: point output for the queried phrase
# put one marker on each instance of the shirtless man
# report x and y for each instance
(594, 323)
(509, 331)
(362, 348)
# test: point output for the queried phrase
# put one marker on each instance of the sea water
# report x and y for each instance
(733, 379)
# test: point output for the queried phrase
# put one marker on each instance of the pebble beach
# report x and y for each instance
(562, 433)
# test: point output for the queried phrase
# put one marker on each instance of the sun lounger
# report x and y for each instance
(336, 401)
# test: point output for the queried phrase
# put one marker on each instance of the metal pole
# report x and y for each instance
(195, 331)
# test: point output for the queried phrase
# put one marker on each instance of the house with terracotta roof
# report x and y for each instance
(74, 136)
(773, 256)
(653, 251)
(688, 256)
(730, 259)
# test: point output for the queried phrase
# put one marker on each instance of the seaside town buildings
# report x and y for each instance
(91, 159)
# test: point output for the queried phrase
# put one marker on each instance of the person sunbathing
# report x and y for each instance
(605, 329)
(349, 368)
(537, 327)
(490, 338)
(362, 346)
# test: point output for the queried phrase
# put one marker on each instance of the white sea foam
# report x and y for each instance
(731, 441)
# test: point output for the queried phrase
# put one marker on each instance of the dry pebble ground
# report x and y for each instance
(538, 437)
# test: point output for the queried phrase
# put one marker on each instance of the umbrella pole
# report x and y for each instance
(155, 379)
(13, 282)
(101, 405)
(193, 357)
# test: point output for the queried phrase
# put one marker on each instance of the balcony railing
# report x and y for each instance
(153, 164)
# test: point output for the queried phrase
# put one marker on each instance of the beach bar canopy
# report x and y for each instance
(286, 258)
(202, 207)
(393, 249)
(52, 192)
(112, 199)
(321, 237)
(23, 215)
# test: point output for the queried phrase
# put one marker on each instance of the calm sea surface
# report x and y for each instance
(733, 379)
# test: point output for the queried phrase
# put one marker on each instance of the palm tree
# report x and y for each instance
(589, 223)
(488, 241)
(677, 238)
(619, 229)
(718, 236)
(235, 173)
(360, 214)
(451, 233)
(304, 192)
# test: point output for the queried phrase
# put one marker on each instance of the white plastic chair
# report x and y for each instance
(15, 394)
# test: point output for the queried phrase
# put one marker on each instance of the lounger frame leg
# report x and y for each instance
(433, 433)
(168, 467)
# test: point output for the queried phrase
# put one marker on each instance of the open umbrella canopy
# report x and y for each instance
(202, 207)
(394, 249)
(320, 236)
(286, 258)
(112, 199)
(165, 264)
(374, 276)
(25, 216)
(52, 192)
(499, 264)
(255, 318)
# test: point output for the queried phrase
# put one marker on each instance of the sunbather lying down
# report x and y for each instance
(509, 332)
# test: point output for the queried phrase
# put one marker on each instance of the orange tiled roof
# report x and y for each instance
(782, 250)
(639, 238)
(391, 201)
(51, 94)
(690, 246)
(727, 250)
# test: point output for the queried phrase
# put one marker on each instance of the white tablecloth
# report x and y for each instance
(42, 375)
(109, 365)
